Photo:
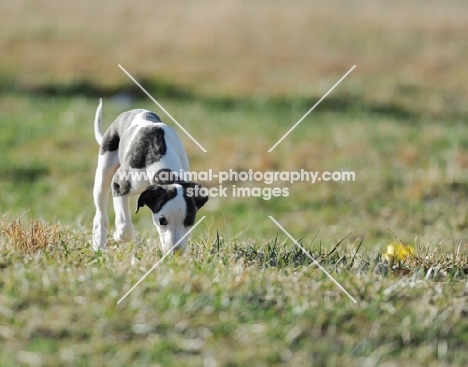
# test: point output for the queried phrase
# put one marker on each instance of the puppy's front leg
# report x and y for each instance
(124, 230)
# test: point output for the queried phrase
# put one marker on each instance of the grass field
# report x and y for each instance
(238, 75)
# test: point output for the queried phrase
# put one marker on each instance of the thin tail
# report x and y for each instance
(98, 123)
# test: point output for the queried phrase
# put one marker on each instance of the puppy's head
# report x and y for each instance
(174, 207)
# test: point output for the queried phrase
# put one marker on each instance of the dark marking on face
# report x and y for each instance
(197, 197)
(190, 213)
(151, 116)
(193, 203)
(148, 146)
(156, 196)
(111, 138)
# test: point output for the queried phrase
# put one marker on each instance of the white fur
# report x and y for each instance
(169, 235)
(109, 163)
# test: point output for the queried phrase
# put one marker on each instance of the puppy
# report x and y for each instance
(140, 155)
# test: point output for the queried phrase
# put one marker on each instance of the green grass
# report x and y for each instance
(409, 173)
(243, 294)
(233, 302)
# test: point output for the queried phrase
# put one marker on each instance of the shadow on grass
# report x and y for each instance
(23, 174)
(164, 89)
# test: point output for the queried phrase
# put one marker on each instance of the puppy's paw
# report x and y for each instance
(124, 233)
(99, 234)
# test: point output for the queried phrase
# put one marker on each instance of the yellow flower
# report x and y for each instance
(397, 251)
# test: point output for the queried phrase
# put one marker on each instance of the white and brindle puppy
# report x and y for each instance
(134, 151)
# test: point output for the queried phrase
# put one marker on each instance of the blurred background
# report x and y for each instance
(238, 75)
(241, 48)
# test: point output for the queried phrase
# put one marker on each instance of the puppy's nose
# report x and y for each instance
(174, 250)
(178, 250)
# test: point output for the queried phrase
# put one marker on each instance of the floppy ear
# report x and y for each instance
(146, 198)
(198, 198)
(155, 196)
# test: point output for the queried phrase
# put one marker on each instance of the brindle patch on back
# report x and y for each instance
(148, 147)
(151, 116)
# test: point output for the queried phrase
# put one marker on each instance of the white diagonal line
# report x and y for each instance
(315, 105)
(315, 261)
(162, 108)
(160, 260)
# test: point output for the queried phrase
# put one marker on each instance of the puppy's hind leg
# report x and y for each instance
(107, 165)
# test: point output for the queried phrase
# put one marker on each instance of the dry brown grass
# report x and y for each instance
(29, 237)
(245, 48)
